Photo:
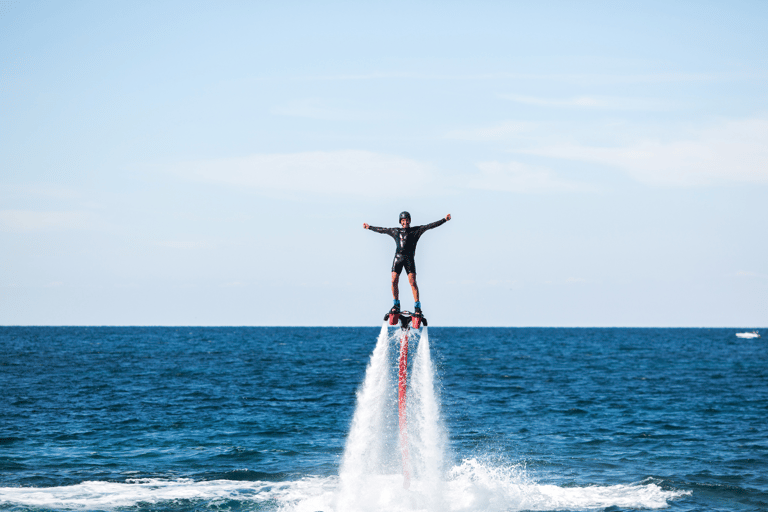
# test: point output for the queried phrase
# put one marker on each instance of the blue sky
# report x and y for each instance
(212, 163)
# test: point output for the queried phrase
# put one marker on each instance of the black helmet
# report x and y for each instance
(405, 215)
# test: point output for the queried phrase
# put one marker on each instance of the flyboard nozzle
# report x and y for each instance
(406, 320)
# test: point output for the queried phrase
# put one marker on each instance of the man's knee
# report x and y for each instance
(412, 279)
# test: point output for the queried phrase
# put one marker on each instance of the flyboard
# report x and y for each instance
(407, 321)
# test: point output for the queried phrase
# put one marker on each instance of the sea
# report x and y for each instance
(308, 419)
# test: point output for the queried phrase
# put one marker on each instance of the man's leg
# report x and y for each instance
(395, 285)
(414, 286)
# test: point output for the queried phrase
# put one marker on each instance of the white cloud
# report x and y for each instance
(743, 273)
(184, 244)
(28, 220)
(53, 192)
(366, 174)
(233, 284)
(735, 151)
(600, 102)
(571, 78)
(336, 173)
(320, 109)
(502, 131)
(519, 177)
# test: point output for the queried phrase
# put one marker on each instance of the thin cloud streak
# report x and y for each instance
(334, 173)
(501, 131)
(577, 78)
(23, 221)
(312, 108)
(595, 102)
(520, 178)
(367, 174)
(748, 274)
(736, 151)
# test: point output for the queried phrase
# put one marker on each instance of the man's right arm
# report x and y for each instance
(385, 231)
(377, 229)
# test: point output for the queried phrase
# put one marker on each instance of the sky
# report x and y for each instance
(605, 163)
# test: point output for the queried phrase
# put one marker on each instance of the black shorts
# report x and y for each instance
(403, 261)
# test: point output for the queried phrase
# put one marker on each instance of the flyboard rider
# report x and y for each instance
(406, 238)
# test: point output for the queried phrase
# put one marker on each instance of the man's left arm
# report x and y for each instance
(435, 224)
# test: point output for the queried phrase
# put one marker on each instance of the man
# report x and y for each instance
(406, 238)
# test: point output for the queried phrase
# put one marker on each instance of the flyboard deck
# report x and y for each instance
(407, 320)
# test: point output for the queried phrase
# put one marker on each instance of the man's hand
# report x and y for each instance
(448, 217)
(366, 226)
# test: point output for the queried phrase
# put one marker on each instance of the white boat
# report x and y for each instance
(753, 334)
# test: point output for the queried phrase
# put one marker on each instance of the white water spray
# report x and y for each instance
(428, 439)
(364, 453)
(371, 474)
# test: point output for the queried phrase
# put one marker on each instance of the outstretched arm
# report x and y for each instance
(386, 231)
(440, 222)
(434, 224)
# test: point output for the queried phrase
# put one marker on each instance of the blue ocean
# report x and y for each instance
(306, 419)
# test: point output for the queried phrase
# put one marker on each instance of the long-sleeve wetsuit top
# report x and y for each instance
(406, 238)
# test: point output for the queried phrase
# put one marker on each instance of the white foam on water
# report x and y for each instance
(111, 495)
(476, 487)
(471, 486)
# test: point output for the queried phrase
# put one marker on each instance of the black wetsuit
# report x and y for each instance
(406, 239)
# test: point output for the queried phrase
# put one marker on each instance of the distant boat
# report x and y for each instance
(753, 334)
